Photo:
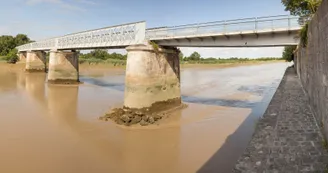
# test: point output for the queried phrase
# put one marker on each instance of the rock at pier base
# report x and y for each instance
(143, 117)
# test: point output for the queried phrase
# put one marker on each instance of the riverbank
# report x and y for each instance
(101, 66)
(287, 138)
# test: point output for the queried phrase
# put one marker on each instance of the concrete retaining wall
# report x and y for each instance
(312, 66)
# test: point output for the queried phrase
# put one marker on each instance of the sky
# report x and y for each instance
(41, 19)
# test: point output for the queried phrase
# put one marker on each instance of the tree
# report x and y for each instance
(194, 56)
(7, 43)
(99, 54)
(303, 8)
(21, 39)
(288, 53)
(181, 56)
(12, 56)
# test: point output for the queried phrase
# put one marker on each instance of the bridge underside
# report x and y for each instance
(245, 39)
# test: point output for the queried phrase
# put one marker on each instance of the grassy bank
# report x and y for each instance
(116, 62)
(90, 64)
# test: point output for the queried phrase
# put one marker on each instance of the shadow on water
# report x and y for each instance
(219, 102)
(258, 90)
(226, 157)
(102, 83)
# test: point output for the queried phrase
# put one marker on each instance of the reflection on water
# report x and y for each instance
(52, 128)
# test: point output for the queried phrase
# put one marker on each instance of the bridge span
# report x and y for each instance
(153, 75)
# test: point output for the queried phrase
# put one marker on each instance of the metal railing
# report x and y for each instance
(135, 33)
(256, 24)
(114, 36)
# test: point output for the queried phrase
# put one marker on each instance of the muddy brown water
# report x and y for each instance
(55, 129)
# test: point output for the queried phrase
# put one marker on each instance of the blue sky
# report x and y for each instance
(48, 18)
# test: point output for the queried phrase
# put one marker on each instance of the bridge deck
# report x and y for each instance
(135, 33)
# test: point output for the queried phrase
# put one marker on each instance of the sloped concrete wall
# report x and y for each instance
(312, 66)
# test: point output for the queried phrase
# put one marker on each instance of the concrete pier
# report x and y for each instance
(35, 61)
(152, 78)
(22, 56)
(63, 67)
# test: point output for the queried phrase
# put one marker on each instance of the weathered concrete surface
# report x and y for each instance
(63, 67)
(287, 138)
(311, 64)
(35, 61)
(152, 78)
(22, 56)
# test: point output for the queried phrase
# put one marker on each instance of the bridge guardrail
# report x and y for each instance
(223, 27)
(114, 36)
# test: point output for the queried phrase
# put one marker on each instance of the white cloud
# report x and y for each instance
(88, 2)
(63, 4)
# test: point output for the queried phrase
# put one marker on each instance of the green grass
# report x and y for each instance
(114, 62)
(3, 58)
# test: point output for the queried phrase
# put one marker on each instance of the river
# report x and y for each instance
(55, 129)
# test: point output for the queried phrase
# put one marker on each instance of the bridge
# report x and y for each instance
(153, 75)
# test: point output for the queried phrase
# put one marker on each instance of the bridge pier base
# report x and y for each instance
(35, 61)
(63, 67)
(152, 78)
(22, 56)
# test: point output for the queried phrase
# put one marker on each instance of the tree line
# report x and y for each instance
(9, 43)
(195, 56)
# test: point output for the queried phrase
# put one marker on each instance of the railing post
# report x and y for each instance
(224, 27)
(197, 30)
(256, 22)
(289, 22)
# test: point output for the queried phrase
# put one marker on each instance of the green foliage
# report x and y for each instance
(303, 34)
(288, 53)
(181, 56)
(325, 144)
(232, 60)
(101, 56)
(155, 46)
(12, 56)
(21, 39)
(194, 56)
(303, 8)
(7, 43)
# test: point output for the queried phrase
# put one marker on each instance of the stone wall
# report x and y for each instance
(312, 66)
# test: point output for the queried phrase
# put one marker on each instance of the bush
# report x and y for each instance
(288, 53)
(12, 57)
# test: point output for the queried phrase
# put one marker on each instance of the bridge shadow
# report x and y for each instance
(219, 102)
(224, 159)
(102, 83)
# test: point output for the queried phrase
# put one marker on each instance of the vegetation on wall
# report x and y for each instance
(305, 9)
(155, 46)
(303, 35)
(302, 8)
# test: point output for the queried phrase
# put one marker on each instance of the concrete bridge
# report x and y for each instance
(153, 75)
